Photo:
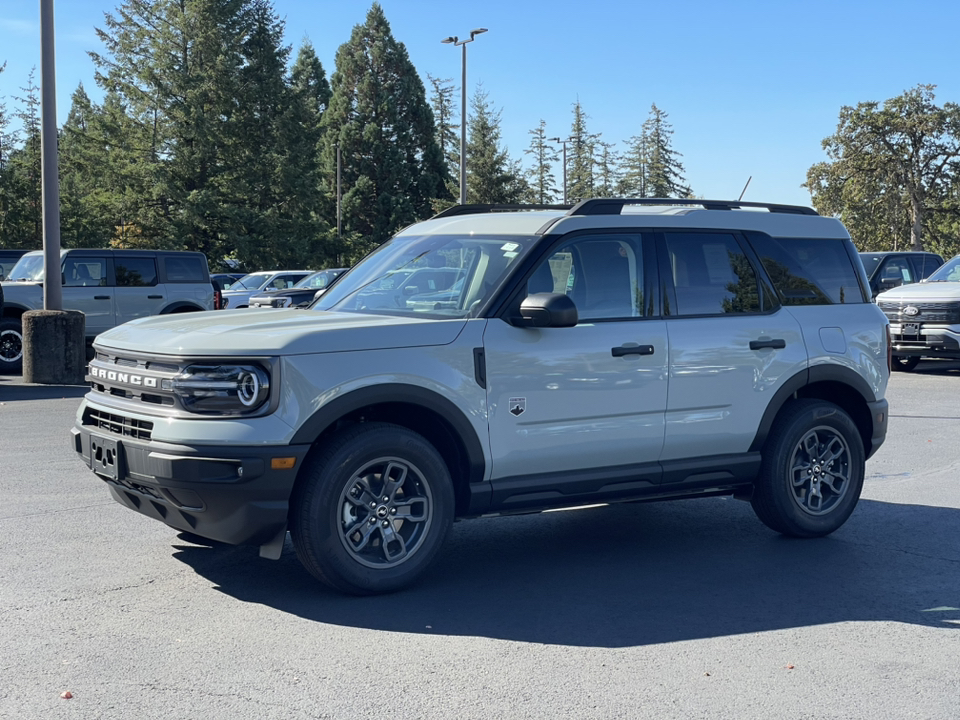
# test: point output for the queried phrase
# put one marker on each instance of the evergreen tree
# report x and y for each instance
(543, 184)
(664, 172)
(607, 173)
(441, 102)
(23, 221)
(580, 172)
(491, 177)
(633, 182)
(85, 216)
(175, 67)
(379, 116)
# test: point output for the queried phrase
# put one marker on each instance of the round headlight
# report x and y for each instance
(248, 388)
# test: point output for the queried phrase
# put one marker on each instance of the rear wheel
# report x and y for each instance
(11, 346)
(372, 509)
(812, 470)
(905, 363)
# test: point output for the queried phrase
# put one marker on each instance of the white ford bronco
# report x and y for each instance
(108, 286)
(493, 360)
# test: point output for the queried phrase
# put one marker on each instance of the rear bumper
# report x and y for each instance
(230, 494)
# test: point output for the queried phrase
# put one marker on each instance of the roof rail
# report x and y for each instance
(489, 208)
(605, 206)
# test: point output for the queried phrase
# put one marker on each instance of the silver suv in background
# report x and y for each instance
(615, 351)
(108, 286)
(239, 294)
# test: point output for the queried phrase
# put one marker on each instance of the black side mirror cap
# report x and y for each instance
(547, 310)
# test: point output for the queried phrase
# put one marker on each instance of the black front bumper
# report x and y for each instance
(230, 494)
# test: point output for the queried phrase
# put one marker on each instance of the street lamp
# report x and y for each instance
(564, 143)
(454, 40)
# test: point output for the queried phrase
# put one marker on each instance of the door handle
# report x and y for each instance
(632, 350)
(101, 297)
(154, 297)
(777, 344)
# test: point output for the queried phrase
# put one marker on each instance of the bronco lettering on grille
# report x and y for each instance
(121, 377)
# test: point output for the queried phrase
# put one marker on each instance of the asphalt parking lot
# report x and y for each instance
(690, 609)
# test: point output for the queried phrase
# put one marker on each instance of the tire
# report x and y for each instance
(11, 346)
(354, 533)
(905, 363)
(813, 445)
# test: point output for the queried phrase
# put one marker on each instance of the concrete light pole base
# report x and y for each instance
(54, 347)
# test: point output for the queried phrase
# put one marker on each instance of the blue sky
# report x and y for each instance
(751, 88)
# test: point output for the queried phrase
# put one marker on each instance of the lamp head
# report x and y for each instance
(451, 39)
(478, 31)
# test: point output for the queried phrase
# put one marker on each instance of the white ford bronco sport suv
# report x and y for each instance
(108, 286)
(619, 350)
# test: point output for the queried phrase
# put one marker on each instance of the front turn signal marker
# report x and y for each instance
(282, 463)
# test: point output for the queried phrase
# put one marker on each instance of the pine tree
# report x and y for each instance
(379, 116)
(23, 222)
(175, 69)
(664, 172)
(491, 178)
(633, 180)
(607, 173)
(85, 215)
(441, 102)
(543, 183)
(580, 172)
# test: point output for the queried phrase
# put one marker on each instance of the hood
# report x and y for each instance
(276, 332)
(922, 291)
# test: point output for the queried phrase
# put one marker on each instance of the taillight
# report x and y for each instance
(889, 351)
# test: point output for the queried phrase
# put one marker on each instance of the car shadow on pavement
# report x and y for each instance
(937, 367)
(630, 575)
(12, 389)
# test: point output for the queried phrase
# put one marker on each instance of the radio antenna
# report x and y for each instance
(744, 188)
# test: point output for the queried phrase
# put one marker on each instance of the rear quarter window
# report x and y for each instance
(809, 271)
(190, 269)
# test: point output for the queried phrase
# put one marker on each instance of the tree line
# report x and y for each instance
(208, 138)
(213, 136)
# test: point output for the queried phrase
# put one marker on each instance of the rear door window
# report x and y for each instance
(135, 271)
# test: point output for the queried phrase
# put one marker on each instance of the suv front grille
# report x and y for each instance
(946, 313)
(118, 424)
(140, 381)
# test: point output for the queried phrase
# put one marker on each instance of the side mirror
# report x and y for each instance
(410, 290)
(547, 310)
(318, 293)
(888, 283)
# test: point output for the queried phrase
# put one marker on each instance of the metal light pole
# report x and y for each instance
(564, 143)
(454, 40)
(52, 293)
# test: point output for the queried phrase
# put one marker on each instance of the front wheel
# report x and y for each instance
(11, 346)
(812, 470)
(905, 363)
(372, 509)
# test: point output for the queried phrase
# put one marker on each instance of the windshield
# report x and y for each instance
(29, 268)
(870, 262)
(445, 276)
(254, 281)
(317, 281)
(947, 273)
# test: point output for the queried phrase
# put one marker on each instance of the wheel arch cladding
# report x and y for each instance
(839, 385)
(423, 411)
